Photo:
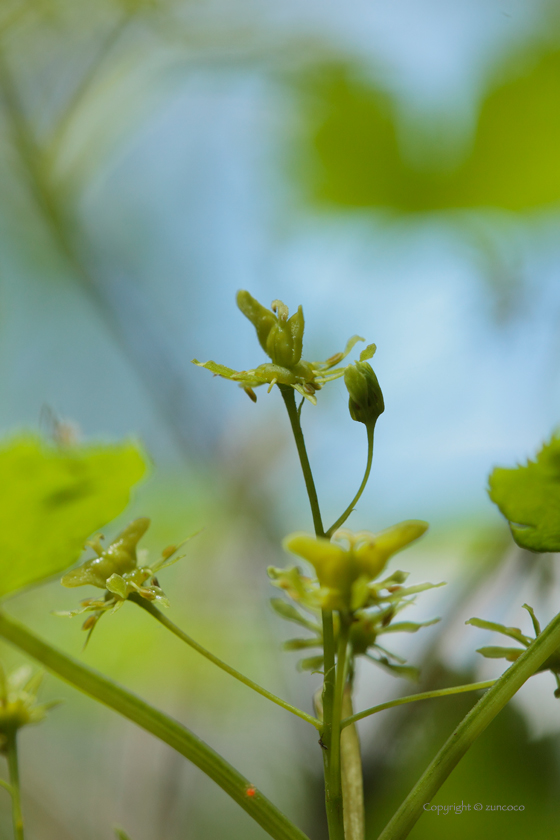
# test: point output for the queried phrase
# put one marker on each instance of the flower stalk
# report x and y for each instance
(169, 625)
(13, 769)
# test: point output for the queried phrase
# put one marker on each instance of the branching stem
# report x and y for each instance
(342, 519)
(169, 625)
(412, 698)
(334, 814)
(475, 722)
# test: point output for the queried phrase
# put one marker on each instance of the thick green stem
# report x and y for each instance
(412, 698)
(352, 774)
(328, 711)
(169, 625)
(342, 519)
(152, 720)
(13, 768)
(334, 778)
(469, 729)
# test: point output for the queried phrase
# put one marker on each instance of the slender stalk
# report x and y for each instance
(342, 519)
(169, 625)
(475, 722)
(334, 814)
(412, 698)
(149, 357)
(13, 768)
(290, 403)
(152, 720)
(85, 84)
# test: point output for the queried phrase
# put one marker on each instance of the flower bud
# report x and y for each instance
(366, 399)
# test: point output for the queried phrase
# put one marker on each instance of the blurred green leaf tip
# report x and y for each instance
(281, 338)
(529, 497)
(511, 654)
(53, 497)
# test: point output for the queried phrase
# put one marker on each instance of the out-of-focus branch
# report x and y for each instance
(152, 361)
(85, 83)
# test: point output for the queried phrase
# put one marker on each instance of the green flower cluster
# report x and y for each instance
(281, 338)
(115, 569)
(346, 581)
(18, 701)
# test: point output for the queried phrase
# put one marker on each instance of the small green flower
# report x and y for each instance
(510, 654)
(115, 569)
(281, 337)
(345, 574)
(18, 701)
(386, 598)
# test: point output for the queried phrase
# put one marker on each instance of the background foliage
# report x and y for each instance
(395, 170)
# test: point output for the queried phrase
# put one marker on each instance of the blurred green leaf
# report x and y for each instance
(409, 672)
(52, 499)
(352, 131)
(513, 632)
(408, 626)
(515, 156)
(302, 644)
(312, 663)
(529, 497)
(290, 613)
(492, 652)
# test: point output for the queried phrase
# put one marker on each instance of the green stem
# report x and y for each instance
(352, 774)
(480, 716)
(334, 819)
(13, 768)
(334, 778)
(342, 519)
(290, 403)
(152, 720)
(412, 698)
(169, 625)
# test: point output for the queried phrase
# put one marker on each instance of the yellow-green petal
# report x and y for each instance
(374, 553)
(317, 550)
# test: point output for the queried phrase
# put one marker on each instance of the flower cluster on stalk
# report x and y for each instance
(281, 338)
(18, 701)
(115, 569)
(347, 582)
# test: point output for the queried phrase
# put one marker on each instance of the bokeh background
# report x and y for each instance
(395, 168)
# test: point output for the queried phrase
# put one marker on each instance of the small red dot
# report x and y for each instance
(251, 791)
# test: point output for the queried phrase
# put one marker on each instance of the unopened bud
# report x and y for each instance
(366, 399)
